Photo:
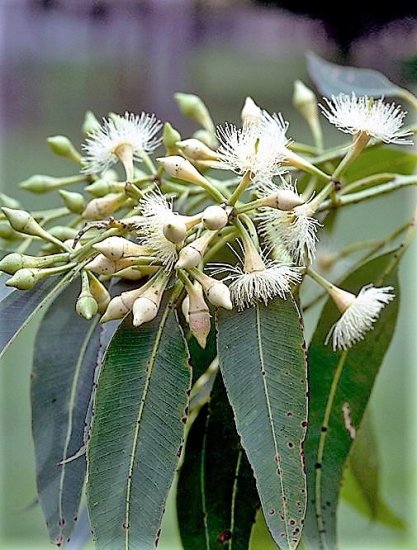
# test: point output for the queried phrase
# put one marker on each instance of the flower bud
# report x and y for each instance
(199, 315)
(100, 294)
(206, 137)
(38, 183)
(283, 199)
(170, 137)
(73, 201)
(103, 266)
(251, 113)
(181, 168)
(116, 248)
(305, 101)
(214, 217)
(100, 208)
(25, 279)
(193, 107)
(9, 202)
(86, 306)
(144, 310)
(62, 232)
(11, 263)
(23, 222)
(130, 273)
(7, 233)
(63, 147)
(121, 305)
(15, 261)
(90, 124)
(174, 230)
(103, 187)
(196, 150)
(217, 292)
(185, 308)
(192, 254)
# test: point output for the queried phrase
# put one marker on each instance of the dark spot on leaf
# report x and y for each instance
(125, 526)
(75, 518)
(321, 531)
(317, 465)
(324, 428)
(282, 535)
(290, 445)
(179, 451)
(188, 391)
(289, 414)
(61, 522)
(271, 512)
(59, 540)
(279, 472)
(224, 536)
(53, 400)
(277, 457)
(328, 503)
(304, 424)
(292, 522)
(184, 420)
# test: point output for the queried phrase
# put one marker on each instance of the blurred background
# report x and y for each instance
(59, 58)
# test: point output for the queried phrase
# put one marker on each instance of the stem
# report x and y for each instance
(355, 198)
(317, 133)
(303, 148)
(366, 182)
(147, 161)
(241, 188)
(324, 283)
(360, 141)
(229, 236)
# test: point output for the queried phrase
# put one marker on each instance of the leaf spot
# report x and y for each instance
(224, 536)
(271, 512)
(125, 526)
(348, 421)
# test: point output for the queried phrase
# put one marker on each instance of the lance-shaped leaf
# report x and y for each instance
(376, 160)
(66, 349)
(332, 79)
(340, 384)
(19, 307)
(262, 360)
(216, 493)
(137, 431)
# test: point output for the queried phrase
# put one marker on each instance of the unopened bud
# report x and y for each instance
(185, 308)
(24, 279)
(305, 101)
(62, 146)
(100, 208)
(192, 254)
(9, 202)
(90, 124)
(62, 232)
(86, 306)
(199, 315)
(8, 233)
(100, 294)
(121, 305)
(206, 137)
(174, 230)
(251, 113)
(283, 199)
(144, 310)
(217, 292)
(129, 273)
(104, 186)
(170, 137)
(13, 262)
(23, 222)
(214, 217)
(73, 201)
(193, 107)
(197, 150)
(38, 183)
(181, 168)
(103, 266)
(116, 248)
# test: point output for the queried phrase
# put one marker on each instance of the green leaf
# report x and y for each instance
(216, 493)
(361, 477)
(381, 159)
(66, 349)
(331, 79)
(137, 431)
(262, 360)
(19, 307)
(340, 384)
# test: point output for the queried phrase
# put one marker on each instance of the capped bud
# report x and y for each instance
(11, 263)
(170, 137)
(23, 222)
(193, 107)
(185, 308)
(196, 150)
(206, 137)
(181, 168)
(100, 294)
(305, 101)
(86, 306)
(199, 315)
(25, 279)
(104, 186)
(7, 233)
(116, 248)
(214, 217)
(251, 113)
(38, 183)
(62, 146)
(103, 266)
(73, 201)
(15, 261)
(146, 307)
(192, 254)
(100, 208)
(217, 292)
(121, 305)
(9, 202)
(284, 199)
(129, 273)
(62, 232)
(174, 230)
(90, 124)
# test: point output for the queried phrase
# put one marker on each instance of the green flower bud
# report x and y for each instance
(9, 202)
(86, 306)
(62, 146)
(11, 263)
(193, 107)
(100, 294)
(170, 136)
(304, 100)
(73, 201)
(90, 124)
(38, 183)
(206, 137)
(62, 232)
(103, 187)
(25, 279)
(23, 222)
(7, 233)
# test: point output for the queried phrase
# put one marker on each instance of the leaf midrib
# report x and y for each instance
(138, 421)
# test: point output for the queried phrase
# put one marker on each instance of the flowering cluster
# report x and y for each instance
(169, 224)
